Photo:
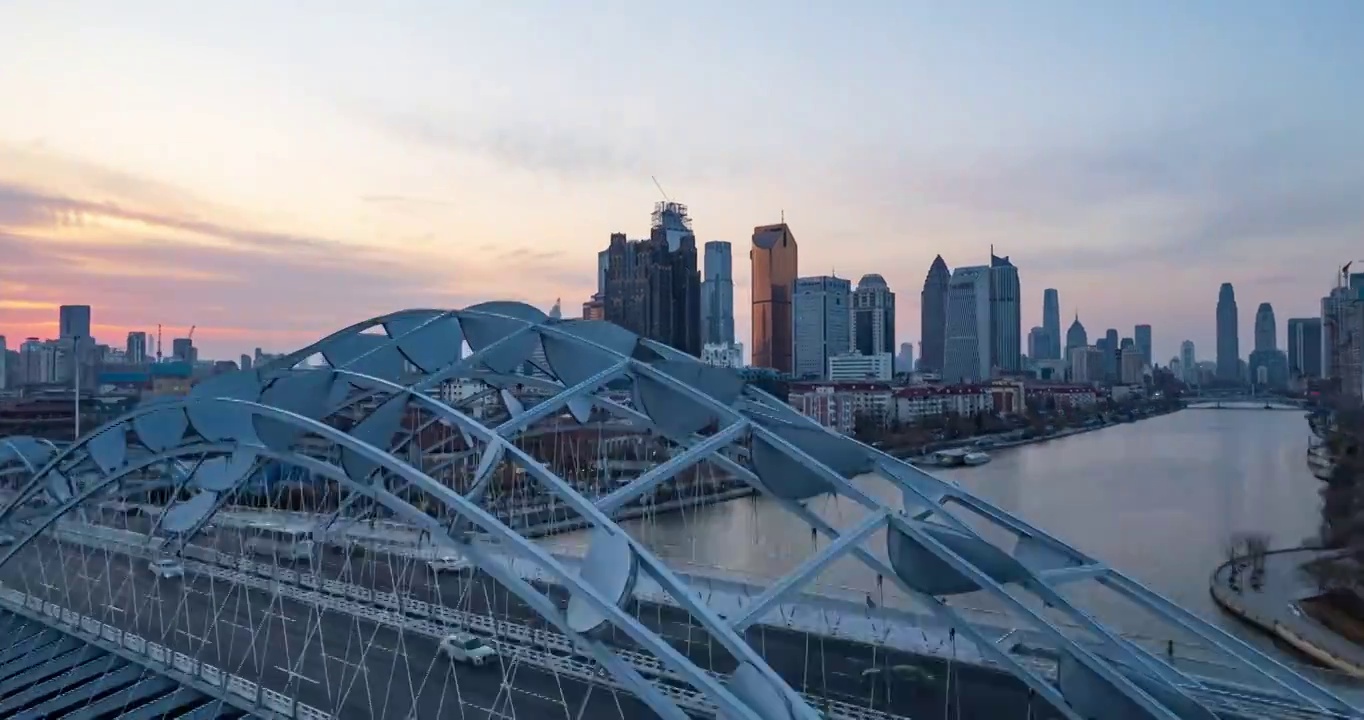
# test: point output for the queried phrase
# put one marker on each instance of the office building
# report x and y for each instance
(1051, 323)
(774, 261)
(1039, 345)
(1086, 364)
(904, 362)
(1006, 316)
(1131, 365)
(1304, 347)
(821, 324)
(1188, 362)
(1142, 335)
(853, 367)
(1228, 350)
(653, 286)
(183, 349)
(73, 321)
(717, 294)
(136, 349)
(1268, 366)
(1076, 337)
(873, 308)
(933, 316)
(966, 342)
(726, 355)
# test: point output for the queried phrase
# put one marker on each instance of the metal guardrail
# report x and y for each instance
(352, 598)
(164, 657)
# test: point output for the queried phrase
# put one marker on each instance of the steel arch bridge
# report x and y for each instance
(142, 538)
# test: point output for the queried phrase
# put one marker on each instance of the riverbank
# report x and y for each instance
(1274, 608)
(918, 455)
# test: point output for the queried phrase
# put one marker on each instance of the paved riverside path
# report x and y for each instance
(1274, 607)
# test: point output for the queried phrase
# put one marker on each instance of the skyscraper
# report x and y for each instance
(1039, 345)
(904, 362)
(1006, 316)
(1268, 365)
(653, 287)
(1076, 337)
(137, 347)
(1228, 351)
(1051, 322)
(775, 261)
(967, 342)
(1142, 334)
(1112, 352)
(717, 294)
(1304, 347)
(873, 317)
(821, 324)
(1188, 362)
(933, 316)
(73, 321)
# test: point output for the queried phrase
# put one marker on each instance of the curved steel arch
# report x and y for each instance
(1156, 687)
(701, 680)
(933, 552)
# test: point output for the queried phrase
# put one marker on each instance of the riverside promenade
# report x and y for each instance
(1274, 608)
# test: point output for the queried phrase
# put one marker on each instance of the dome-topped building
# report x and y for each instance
(1076, 335)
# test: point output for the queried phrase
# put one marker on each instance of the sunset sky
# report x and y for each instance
(273, 171)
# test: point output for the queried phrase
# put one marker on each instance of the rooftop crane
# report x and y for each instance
(158, 342)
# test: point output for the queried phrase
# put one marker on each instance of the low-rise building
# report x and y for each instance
(1062, 396)
(837, 405)
(854, 367)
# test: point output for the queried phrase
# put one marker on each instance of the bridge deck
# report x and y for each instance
(48, 673)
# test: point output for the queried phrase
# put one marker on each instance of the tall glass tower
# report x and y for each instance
(1228, 349)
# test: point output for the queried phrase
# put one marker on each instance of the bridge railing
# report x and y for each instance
(161, 657)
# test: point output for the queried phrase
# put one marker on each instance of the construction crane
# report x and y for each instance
(660, 189)
(190, 336)
(158, 342)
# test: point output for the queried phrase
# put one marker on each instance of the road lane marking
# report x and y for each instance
(239, 627)
(347, 663)
(300, 676)
(283, 617)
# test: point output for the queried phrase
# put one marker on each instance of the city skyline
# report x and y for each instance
(242, 181)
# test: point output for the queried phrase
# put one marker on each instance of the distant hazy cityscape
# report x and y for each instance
(832, 341)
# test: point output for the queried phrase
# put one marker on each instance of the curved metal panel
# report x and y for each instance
(109, 448)
(513, 403)
(377, 429)
(581, 409)
(161, 430)
(427, 340)
(610, 567)
(925, 572)
(841, 454)
(221, 422)
(1093, 696)
(598, 346)
(761, 696)
(59, 486)
(33, 451)
(365, 353)
(783, 475)
(185, 515)
(487, 323)
(302, 392)
(224, 472)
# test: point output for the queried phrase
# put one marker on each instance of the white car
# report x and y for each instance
(449, 563)
(465, 648)
(167, 568)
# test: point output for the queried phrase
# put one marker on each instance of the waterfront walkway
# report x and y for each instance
(1274, 608)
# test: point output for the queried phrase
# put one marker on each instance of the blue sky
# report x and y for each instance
(282, 169)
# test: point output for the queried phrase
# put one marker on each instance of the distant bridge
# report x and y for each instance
(1243, 402)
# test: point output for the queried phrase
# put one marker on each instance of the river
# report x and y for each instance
(1157, 499)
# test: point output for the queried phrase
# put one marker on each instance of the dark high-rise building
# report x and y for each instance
(775, 265)
(1006, 316)
(1228, 348)
(652, 286)
(1142, 335)
(1076, 337)
(717, 294)
(1268, 366)
(1266, 330)
(933, 316)
(73, 321)
(873, 317)
(1112, 351)
(1051, 323)
(183, 349)
(1304, 347)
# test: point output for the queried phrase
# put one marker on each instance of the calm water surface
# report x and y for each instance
(1157, 499)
